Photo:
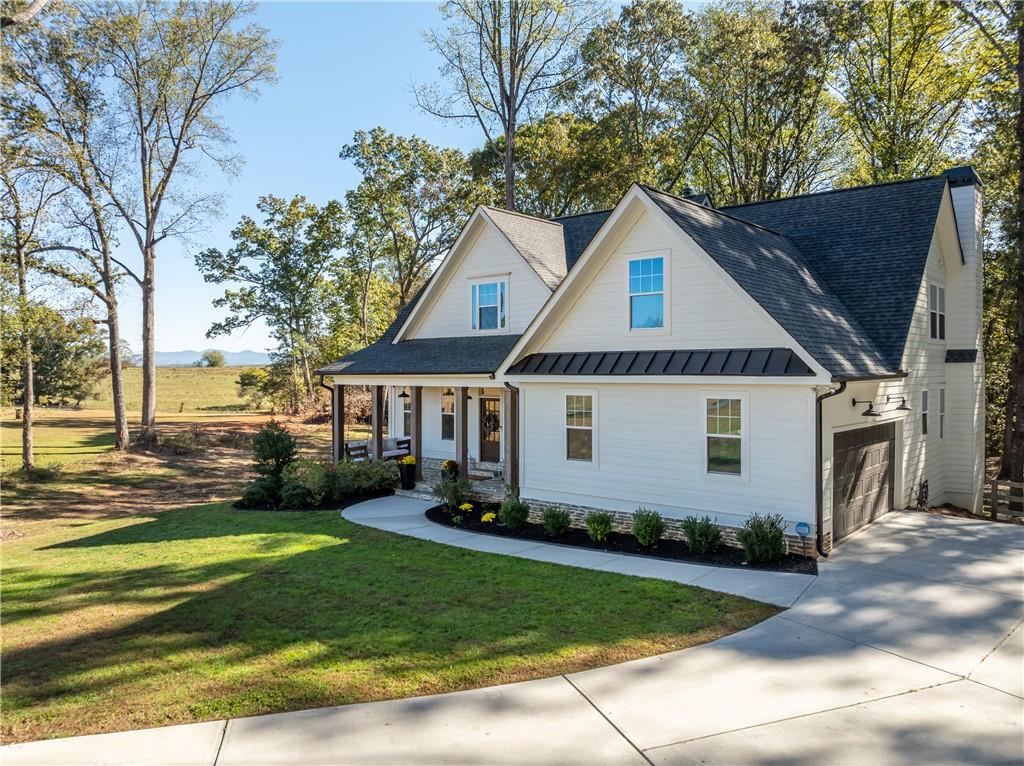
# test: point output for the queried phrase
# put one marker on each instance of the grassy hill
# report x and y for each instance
(178, 389)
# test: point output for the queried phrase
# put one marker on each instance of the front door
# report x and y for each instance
(490, 430)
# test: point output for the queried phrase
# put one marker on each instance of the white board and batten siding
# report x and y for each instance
(702, 309)
(488, 254)
(649, 450)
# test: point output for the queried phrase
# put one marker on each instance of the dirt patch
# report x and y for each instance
(963, 513)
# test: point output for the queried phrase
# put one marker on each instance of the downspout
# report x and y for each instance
(334, 430)
(818, 505)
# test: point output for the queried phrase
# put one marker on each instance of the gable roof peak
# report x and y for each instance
(689, 201)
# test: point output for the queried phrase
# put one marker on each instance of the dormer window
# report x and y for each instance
(937, 312)
(647, 293)
(490, 306)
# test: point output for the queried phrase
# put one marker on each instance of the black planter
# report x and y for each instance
(407, 473)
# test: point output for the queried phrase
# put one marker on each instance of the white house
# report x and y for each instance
(817, 356)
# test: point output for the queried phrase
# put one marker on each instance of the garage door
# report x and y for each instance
(862, 484)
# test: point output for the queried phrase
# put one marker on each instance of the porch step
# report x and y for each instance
(421, 492)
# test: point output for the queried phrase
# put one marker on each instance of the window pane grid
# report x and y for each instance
(489, 308)
(647, 293)
(579, 422)
(724, 423)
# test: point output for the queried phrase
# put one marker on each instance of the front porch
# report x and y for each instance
(436, 420)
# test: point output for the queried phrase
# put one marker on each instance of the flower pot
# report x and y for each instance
(407, 474)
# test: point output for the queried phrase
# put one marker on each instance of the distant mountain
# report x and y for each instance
(231, 358)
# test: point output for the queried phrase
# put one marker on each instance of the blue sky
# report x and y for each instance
(341, 67)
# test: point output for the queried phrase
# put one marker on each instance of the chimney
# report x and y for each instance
(965, 188)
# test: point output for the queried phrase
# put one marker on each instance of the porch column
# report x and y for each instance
(416, 416)
(510, 401)
(462, 430)
(377, 422)
(338, 423)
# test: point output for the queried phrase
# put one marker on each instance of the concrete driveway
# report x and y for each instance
(908, 648)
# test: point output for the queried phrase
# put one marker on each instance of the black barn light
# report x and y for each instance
(903, 402)
(870, 412)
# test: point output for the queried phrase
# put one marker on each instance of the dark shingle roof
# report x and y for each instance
(870, 244)
(578, 231)
(537, 240)
(729, 361)
(773, 271)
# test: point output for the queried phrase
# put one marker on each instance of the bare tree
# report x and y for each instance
(171, 65)
(502, 60)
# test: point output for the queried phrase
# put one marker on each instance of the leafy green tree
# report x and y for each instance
(281, 266)
(776, 131)
(503, 61)
(212, 358)
(408, 208)
(908, 75)
(637, 81)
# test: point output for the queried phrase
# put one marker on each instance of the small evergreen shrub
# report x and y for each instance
(513, 512)
(364, 478)
(599, 526)
(556, 521)
(648, 526)
(294, 495)
(310, 476)
(452, 491)
(262, 493)
(702, 534)
(763, 538)
(273, 449)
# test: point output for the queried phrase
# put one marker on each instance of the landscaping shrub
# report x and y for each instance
(513, 512)
(556, 521)
(599, 526)
(648, 526)
(702, 534)
(364, 478)
(763, 538)
(262, 493)
(308, 475)
(273, 448)
(452, 491)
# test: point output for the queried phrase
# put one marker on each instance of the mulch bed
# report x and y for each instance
(335, 505)
(617, 542)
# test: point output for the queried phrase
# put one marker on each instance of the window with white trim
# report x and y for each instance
(406, 412)
(724, 435)
(942, 413)
(924, 413)
(489, 305)
(579, 427)
(937, 312)
(448, 415)
(646, 293)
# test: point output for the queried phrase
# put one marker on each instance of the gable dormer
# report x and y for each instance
(494, 279)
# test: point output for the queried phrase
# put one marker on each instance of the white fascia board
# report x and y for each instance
(740, 381)
(412, 380)
(948, 236)
(440, 274)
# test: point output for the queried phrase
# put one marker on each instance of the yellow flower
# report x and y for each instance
(466, 507)
(408, 460)
(487, 517)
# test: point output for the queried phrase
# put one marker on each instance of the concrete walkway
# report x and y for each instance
(906, 649)
(404, 516)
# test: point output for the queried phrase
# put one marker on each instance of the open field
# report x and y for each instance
(134, 596)
(178, 389)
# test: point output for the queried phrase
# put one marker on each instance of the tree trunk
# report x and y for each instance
(510, 165)
(1013, 454)
(116, 378)
(148, 345)
(27, 371)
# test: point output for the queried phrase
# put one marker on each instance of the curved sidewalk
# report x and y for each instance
(906, 649)
(404, 516)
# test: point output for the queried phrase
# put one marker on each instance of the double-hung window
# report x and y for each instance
(448, 415)
(579, 427)
(724, 435)
(489, 305)
(646, 293)
(924, 413)
(937, 312)
(942, 413)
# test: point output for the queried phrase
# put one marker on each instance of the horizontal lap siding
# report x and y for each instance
(490, 254)
(650, 451)
(705, 311)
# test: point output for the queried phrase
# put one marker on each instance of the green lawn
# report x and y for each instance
(203, 612)
(178, 389)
